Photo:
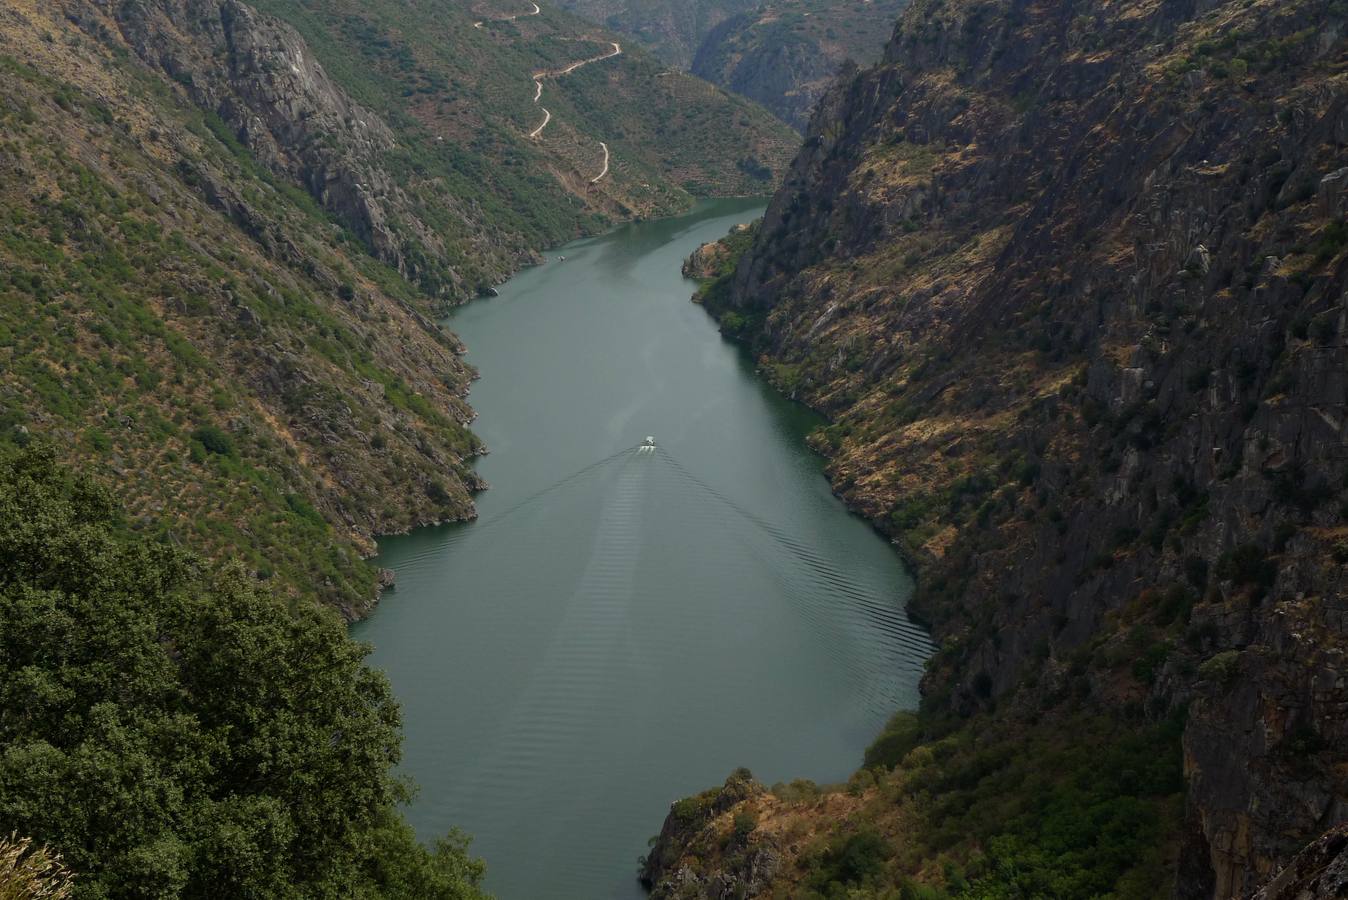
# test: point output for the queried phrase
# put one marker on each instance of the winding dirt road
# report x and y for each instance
(557, 73)
(596, 179)
(522, 15)
(547, 117)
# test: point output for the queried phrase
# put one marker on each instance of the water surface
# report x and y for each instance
(621, 628)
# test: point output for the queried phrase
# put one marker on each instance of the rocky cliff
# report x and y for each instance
(258, 75)
(785, 55)
(1320, 872)
(1069, 281)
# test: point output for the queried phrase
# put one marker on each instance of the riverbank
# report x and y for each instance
(681, 613)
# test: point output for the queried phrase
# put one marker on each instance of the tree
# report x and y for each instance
(171, 730)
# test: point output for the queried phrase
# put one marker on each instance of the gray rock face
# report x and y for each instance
(786, 56)
(258, 75)
(1334, 194)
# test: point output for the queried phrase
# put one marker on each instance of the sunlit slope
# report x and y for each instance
(468, 92)
(179, 322)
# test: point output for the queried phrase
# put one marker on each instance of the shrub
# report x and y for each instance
(1331, 241)
(744, 823)
(1246, 565)
(690, 810)
(1147, 666)
(214, 440)
(1221, 668)
(850, 860)
(437, 493)
(901, 734)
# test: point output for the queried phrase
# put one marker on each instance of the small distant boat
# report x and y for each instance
(561, 259)
(647, 446)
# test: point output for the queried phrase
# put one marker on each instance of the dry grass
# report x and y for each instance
(29, 872)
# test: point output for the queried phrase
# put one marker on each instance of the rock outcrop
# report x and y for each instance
(785, 55)
(708, 260)
(703, 818)
(1320, 872)
(257, 74)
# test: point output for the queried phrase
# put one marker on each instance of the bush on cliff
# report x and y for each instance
(170, 730)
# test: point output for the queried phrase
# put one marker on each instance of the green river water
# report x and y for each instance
(621, 629)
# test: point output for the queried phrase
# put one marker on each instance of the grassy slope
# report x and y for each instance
(426, 68)
(136, 322)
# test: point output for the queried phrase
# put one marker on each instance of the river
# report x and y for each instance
(620, 629)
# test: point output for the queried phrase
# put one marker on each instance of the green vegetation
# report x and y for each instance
(902, 733)
(461, 99)
(1074, 805)
(174, 731)
(848, 861)
(180, 316)
(226, 388)
(715, 285)
(1083, 808)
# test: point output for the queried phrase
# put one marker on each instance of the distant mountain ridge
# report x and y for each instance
(672, 29)
(780, 54)
(785, 55)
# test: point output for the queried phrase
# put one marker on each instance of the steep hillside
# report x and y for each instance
(197, 330)
(220, 256)
(785, 55)
(171, 730)
(1069, 280)
(781, 54)
(672, 29)
(457, 80)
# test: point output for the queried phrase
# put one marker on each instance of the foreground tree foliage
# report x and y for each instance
(171, 731)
